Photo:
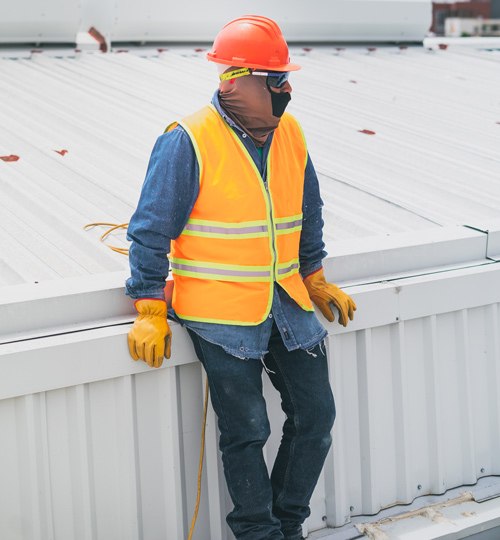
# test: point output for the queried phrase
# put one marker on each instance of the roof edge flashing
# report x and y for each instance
(376, 258)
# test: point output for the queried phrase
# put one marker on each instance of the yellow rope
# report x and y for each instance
(123, 251)
(201, 462)
(113, 227)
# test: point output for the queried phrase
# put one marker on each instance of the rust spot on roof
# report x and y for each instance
(162, 50)
(367, 131)
(12, 157)
(307, 49)
(371, 49)
(62, 152)
(199, 50)
(355, 82)
(340, 48)
(443, 46)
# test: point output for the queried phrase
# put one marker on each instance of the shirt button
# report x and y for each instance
(270, 315)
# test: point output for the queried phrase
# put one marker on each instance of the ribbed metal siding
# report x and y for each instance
(113, 459)
(417, 398)
(418, 410)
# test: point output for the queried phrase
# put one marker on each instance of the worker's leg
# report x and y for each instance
(301, 377)
(236, 394)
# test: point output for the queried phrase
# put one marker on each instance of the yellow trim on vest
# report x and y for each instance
(304, 139)
(289, 218)
(193, 140)
(224, 321)
(269, 211)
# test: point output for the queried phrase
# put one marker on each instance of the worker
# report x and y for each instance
(232, 196)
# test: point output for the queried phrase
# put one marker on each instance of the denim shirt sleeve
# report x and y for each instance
(311, 248)
(168, 195)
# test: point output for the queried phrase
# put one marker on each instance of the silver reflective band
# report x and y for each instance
(224, 230)
(219, 271)
(288, 269)
(289, 225)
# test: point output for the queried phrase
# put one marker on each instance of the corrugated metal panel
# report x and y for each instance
(100, 446)
(432, 161)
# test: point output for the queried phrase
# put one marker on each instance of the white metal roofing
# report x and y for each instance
(432, 160)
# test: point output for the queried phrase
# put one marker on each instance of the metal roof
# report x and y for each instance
(403, 140)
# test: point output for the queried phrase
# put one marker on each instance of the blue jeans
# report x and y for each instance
(270, 508)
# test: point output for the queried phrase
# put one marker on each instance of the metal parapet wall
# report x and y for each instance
(100, 446)
(28, 21)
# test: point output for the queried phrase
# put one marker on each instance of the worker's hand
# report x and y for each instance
(150, 336)
(323, 294)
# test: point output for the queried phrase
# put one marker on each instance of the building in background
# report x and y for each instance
(478, 9)
(456, 27)
(495, 9)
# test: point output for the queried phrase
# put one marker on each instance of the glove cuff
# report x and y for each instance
(151, 306)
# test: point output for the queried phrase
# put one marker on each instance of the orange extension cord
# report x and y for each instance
(113, 227)
(124, 251)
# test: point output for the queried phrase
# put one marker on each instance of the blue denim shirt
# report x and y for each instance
(168, 195)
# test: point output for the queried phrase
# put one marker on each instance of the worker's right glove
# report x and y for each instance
(324, 294)
(149, 338)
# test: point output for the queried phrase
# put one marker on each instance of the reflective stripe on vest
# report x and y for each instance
(242, 235)
(218, 229)
(223, 272)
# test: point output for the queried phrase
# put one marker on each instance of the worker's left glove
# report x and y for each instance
(323, 294)
(150, 336)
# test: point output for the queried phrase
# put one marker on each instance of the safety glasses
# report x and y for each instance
(276, 79)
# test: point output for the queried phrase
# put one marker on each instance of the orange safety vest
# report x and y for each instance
(241, 235)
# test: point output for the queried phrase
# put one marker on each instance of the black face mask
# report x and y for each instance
(279, 102)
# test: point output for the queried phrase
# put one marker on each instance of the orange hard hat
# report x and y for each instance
(254, 42)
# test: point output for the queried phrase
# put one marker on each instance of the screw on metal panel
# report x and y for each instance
(324, 518)
(397, 318)
(419, 486)
(351, 509)
(482, 470)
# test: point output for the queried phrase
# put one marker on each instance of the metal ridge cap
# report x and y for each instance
(27, 292)
(374, 258)
(64, 305)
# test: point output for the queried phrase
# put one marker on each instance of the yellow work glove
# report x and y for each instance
(323, 294)
(150, 334)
